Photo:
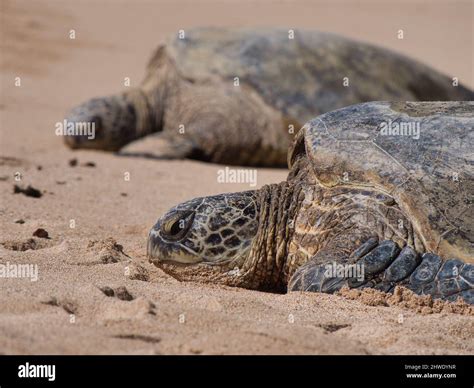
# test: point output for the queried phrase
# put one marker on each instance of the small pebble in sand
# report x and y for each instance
(107, 291)
(29, 191)
(123, 294)
(73, 162)
(89, 164)
(41, 233)
(120, 293)
(20, 221)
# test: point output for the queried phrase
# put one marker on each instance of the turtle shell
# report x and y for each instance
(306, 76)
(420, 153)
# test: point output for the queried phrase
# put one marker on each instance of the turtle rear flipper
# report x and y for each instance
(383, 267)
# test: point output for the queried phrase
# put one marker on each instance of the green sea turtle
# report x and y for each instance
(237, 96)
(362, 206)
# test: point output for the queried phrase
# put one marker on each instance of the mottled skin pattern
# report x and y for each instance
(189, 102)
(318, 217)
(223, 228)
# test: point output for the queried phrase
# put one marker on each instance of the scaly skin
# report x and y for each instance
(252, 227)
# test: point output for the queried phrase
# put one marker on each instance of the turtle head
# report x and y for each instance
(205, 239)
(106, 123)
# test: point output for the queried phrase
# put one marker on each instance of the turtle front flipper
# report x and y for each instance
(383, 266)
(446, 279)
(161, 146)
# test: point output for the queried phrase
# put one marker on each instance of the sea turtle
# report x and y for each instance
(361, 207)
(237, 96)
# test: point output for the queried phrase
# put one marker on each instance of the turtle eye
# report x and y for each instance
(176, 226)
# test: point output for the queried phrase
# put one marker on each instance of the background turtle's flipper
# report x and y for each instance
(383, 266)
(160, 146)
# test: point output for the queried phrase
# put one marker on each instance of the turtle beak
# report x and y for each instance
(154, 251)
(161, 251)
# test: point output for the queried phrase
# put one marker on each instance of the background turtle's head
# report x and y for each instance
(106, 123)
(205, 238)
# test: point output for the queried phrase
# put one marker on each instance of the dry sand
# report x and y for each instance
(79, 304)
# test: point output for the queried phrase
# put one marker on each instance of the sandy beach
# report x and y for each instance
(95, 291)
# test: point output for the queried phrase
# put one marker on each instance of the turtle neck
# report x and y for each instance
(264, 268)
